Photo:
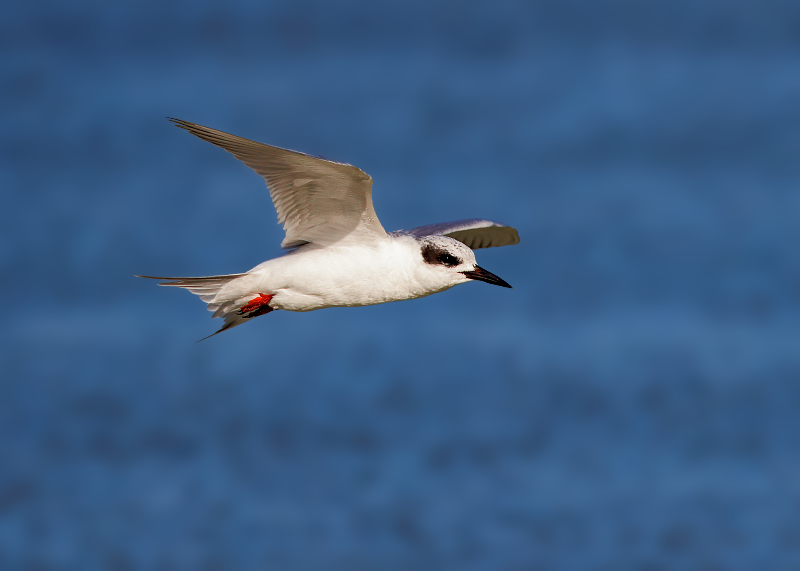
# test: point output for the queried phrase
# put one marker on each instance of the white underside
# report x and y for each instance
(314, 277)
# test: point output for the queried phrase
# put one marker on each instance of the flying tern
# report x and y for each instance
(339, 254)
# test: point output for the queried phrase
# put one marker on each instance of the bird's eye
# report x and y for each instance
(448, 260)
(432, 254)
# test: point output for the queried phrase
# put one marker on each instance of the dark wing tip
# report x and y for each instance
(194, 128)
(486, 236)
(179, 122)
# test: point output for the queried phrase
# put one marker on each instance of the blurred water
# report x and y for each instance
(631, 404)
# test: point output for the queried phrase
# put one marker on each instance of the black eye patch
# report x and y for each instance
(435, 255)
(448, 260)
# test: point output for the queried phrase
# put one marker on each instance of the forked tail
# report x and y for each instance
(234, 304)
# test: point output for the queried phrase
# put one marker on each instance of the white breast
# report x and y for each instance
(313, 277)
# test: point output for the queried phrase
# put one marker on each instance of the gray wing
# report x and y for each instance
(474, 232)
(317, 200)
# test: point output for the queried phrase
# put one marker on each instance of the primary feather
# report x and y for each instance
(317, 200)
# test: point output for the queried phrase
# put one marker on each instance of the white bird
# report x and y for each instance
(340, 255)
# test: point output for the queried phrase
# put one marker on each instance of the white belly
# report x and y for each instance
(334, 277)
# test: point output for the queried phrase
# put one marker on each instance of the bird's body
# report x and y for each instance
(340, 255)
(316, 277)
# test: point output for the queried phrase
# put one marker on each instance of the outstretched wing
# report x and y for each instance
(317, 200)
(475, 233)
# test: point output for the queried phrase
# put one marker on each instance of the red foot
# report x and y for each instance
(259, 305)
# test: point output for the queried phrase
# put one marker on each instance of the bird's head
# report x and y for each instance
(451, 262)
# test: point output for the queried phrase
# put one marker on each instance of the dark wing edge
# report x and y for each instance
(474, 233)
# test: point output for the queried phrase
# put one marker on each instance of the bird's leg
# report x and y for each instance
(256, 306)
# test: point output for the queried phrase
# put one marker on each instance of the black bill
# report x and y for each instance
(483, 276)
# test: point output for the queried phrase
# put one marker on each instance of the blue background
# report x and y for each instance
(631, 404)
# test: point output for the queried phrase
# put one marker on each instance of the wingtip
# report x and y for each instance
(179, 122)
